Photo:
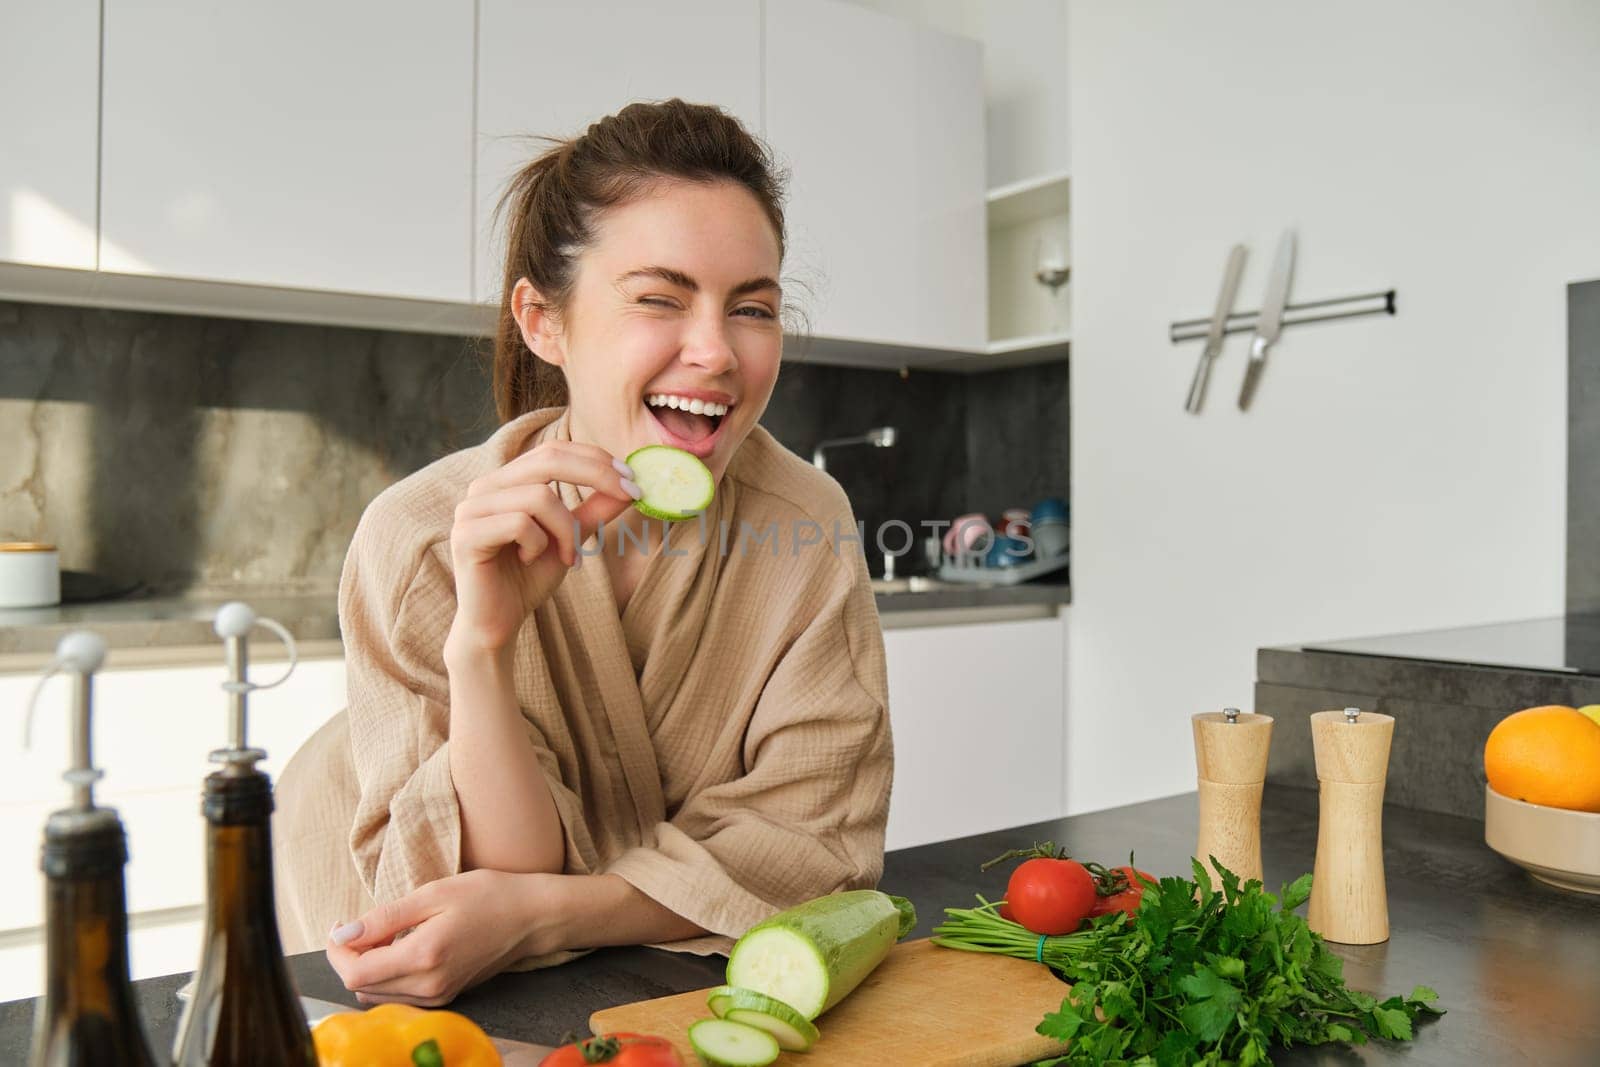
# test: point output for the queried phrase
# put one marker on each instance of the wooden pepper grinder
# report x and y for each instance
(1230, 753)
(1349, 901)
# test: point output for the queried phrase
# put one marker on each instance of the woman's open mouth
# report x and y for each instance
(690, 421)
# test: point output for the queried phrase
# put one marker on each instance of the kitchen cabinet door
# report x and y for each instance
(979, 716)
(297, 143)
(153, 730)
(552, 68)
(881, 123)
(50, 83)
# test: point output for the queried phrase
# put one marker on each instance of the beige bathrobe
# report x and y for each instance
(723, 745)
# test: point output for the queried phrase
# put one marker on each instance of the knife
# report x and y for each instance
(1269, 323)
(1219, 321)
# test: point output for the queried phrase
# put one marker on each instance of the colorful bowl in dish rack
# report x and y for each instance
(1555, 845)
(1007, 552)
(1050, 509)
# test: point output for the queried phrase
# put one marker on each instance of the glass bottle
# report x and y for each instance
(245, 1009)
(87, 1014)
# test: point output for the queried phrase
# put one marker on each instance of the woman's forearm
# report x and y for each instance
(508, 818)
(598, 910)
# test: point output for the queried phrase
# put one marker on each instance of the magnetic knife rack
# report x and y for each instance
(1293, 315)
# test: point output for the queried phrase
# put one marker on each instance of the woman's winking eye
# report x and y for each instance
(756, 309)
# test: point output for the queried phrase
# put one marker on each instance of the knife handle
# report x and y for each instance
(1197, 388)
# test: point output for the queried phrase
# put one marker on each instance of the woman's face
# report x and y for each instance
(672, 335)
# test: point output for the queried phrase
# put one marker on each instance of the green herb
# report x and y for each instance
(1203, 975)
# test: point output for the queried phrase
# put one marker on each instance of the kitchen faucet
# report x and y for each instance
(881, 437)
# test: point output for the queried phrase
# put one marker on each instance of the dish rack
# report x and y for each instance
(975, 573)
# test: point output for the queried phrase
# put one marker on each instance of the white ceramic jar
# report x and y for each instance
(30, 574)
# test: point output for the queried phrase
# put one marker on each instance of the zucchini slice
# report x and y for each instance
(728, 1044)
(794, 1031)
(676, 484)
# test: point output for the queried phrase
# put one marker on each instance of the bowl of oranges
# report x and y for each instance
(1542, 803)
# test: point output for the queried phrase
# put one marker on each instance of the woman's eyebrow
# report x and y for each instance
(676, 277)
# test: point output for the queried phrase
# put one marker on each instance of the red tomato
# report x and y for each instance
(1050, 896)
(623, 1050)
(1124, 900)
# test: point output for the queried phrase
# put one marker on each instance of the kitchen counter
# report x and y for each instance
(1446, 690)
(1516, 963)
(176, 630)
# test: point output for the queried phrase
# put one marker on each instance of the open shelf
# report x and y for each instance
(1027, 200)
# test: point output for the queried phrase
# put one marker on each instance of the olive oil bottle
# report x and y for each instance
(244, 1009)
(87, 1014)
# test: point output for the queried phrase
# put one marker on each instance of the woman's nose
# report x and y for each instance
(706, 346)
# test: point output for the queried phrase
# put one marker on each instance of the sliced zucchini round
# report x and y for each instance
(722, 1043)
(676, 484)
(795, 1033)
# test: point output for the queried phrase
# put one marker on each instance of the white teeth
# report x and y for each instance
(683, 403)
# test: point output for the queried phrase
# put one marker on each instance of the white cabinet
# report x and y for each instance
(296, 143)
(50, 85)
(552, 68)
(979, 718)
(882, 124)
(153, 730)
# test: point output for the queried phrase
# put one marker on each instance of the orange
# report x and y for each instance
(1548, 755)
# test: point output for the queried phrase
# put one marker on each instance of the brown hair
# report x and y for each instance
(554, 202)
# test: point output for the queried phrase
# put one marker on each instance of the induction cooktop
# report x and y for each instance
(1566, 643)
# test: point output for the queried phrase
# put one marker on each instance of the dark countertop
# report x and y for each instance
(949, 595)
(1444, 710)
(1516, 963)
(175, 630)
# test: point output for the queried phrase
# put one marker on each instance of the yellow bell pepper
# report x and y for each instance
(397, 1035)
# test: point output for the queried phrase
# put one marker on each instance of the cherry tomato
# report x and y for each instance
(1125, 900)
(621, 1050)
(1050, 896)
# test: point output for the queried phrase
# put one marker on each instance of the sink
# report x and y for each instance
(914, 584)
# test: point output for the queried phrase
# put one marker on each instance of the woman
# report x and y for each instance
(663, 743)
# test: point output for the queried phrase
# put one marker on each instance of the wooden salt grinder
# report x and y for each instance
(1349, 901)
(1230, 754)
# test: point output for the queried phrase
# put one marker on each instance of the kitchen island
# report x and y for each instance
(1516, 963)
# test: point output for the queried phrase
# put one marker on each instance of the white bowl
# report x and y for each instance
(1555, 845)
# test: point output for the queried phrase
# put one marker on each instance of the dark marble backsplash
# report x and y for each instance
(198, 453)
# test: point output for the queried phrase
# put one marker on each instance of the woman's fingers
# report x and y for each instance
(598, 509)
(562, 461)
(481, 540)
(539, 502)
(383, 923)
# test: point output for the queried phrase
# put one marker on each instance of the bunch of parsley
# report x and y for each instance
(1213, 976)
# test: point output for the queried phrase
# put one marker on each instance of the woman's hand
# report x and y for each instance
(513, 538)
(464, 929)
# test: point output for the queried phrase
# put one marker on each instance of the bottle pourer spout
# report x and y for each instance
(233, 624)
(80, 653)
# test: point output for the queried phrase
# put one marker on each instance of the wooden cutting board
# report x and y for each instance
(924, 1005)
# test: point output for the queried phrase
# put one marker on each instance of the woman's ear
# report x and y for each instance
(538, 325)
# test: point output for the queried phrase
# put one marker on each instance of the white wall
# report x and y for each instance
(1394, 474)
(1024, 73)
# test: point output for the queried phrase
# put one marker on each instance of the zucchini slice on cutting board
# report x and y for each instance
(722, 1043)
(795, 1033)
